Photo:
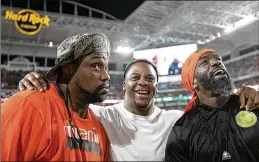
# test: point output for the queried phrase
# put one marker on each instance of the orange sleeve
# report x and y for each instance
(106, 147)
(23, 137)
(107, 156)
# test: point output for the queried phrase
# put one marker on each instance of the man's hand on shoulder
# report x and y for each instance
(33, 80)
(249, 98)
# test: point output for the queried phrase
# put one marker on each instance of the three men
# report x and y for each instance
(137, 129)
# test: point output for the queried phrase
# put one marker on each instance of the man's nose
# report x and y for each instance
(105, 76)
(142, 82)
(215, 62)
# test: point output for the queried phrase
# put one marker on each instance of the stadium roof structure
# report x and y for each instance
(221, 25)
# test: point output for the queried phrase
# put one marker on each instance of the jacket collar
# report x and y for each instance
(207, 111)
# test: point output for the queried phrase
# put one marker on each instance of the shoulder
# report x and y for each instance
(27, 102)
(107, 113)
(100, 110)
(189, 118)
(114, 108)
(20, 107)
(113, 111)
(184, 125)
(175, 113)
(171, 115)
(25, 97)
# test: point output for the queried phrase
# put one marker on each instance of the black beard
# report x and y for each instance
(87, 96)
(221, 87)
(91, 98)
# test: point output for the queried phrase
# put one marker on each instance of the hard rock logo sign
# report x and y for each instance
(27, 21)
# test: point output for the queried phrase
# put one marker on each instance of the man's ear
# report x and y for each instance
(124, 85)
(195, 84)
(156, 88)
(68, 71)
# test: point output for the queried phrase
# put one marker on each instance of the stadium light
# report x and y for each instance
(229, 29)
(245, 21)
(218, 34)
(124, 50)
(212, 37)
(50, 44)
(241, 23)
(200, 42)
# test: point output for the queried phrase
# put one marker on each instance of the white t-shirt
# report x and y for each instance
(133, 137)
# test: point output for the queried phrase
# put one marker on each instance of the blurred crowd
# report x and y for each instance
(10, 79)
(239, 68)
(246, 66)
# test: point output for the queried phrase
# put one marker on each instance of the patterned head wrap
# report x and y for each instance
(80, 45)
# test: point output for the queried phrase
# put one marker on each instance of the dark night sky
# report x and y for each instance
(117, 8)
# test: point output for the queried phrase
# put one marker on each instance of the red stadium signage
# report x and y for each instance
(27, 21)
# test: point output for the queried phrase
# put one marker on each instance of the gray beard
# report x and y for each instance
(221, 87)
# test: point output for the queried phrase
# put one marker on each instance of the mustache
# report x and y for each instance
(105, 85)
(211, 74)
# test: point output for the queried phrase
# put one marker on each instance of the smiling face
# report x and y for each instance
(140, 87)
(211, 74)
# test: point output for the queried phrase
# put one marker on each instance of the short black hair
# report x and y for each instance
(134, 61)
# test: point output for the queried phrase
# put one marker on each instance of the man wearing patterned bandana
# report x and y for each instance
(57, 125)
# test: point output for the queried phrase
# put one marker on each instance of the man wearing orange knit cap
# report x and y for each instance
(213, 128)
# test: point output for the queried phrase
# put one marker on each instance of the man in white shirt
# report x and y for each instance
(137, 129)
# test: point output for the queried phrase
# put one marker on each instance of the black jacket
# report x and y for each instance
(200, 135)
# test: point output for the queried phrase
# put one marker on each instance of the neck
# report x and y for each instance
(134, 109)
(78, 106)
(209, 99)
